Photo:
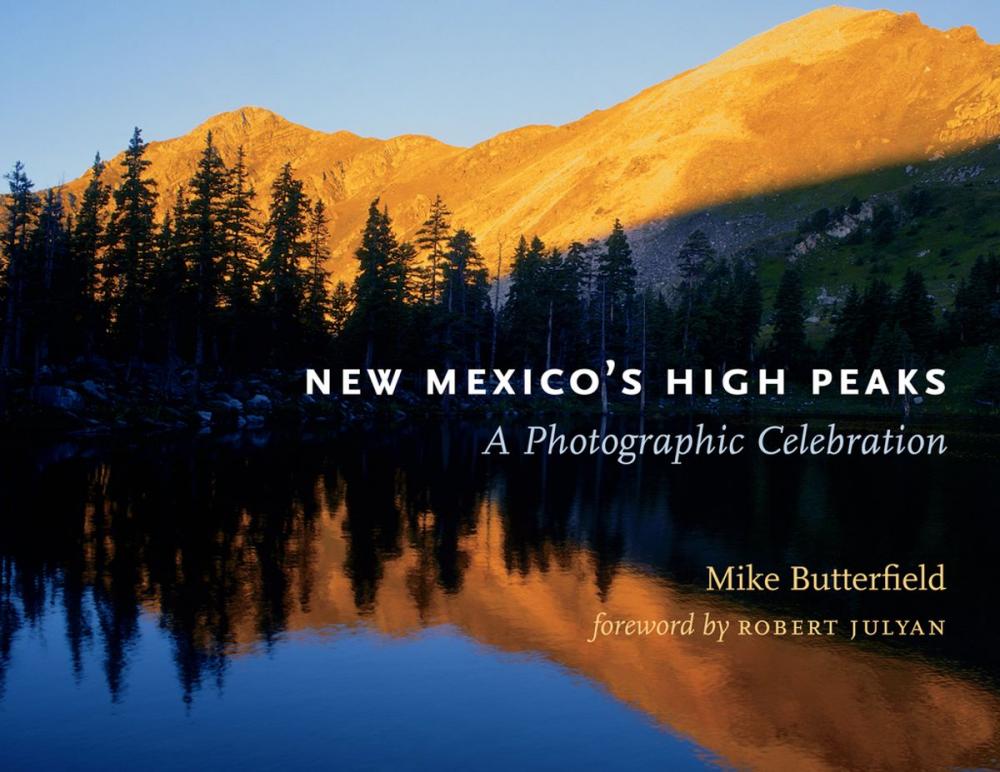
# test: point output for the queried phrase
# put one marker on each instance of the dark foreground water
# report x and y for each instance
(393, 600)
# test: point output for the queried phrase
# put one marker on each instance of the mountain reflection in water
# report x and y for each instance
(215, 557)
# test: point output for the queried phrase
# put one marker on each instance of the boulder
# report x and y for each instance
(94, 390)
(229, 402)
(224, 413)
(259, 404)
(58, 397)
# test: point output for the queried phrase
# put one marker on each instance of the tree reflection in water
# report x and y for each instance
(230, 546)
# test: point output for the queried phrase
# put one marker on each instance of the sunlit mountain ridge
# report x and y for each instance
(836, 92)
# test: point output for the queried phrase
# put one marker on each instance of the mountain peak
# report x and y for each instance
(249, 119)
(817, 34)
(835, 14)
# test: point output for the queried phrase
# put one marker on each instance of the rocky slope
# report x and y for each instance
(833, 93)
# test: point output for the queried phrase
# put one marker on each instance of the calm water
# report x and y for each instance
(391, 599)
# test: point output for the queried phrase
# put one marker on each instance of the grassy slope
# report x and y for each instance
(963, 222)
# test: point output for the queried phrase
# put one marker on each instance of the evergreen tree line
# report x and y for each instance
(210, 284)
(219, 288)
(878, 327)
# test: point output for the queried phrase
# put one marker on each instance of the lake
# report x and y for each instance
(388, 597)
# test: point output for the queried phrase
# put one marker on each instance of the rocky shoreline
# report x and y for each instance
(110, 398)
(105, 399)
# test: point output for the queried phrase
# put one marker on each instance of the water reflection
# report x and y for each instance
(232, 549)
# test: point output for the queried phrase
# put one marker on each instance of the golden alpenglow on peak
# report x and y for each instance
(833, 93)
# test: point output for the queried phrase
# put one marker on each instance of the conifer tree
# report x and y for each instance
(661, 335)
(317, 300)
(616, 271)
(970, 319)
(580, 268)
(241, 233)
(463, 269)
(987, 388)
(974, 319)
(372, 283)
(241, 265)
(50, 291)
(748, 309)
(466, 295)
(892, 348)
(283, 280)
(21, 207)
(170, 285)
(340, 308)
(914, 311)
(715, 328)
(552, 293)
(841, 347)
(789, 341)
(204, 219)
(380, 287)
(433, 237)
(857, 322)
(616, 275)
(526, 309)
(86, 243)
(876, 308)
(883, 224)
(131, 243)
(401, 272)
(571, 288)
(694, 260)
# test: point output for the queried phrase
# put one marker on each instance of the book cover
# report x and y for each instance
(475, 386)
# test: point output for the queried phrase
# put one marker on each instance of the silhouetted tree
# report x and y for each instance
(526, 309)
(380, 288)
(694, 261)
(975, 317)
(241, 266)
(86, 244)
(433, 237)
(747, 310)
(317, 300)
(283, 280)
(987, 389)
(50, 292)
(131, 245)
(205, 217)
(616, 272)
(788, 344)
(914, 312)
(465, 297)
(340, 308)
(170, 291)
(21, 210)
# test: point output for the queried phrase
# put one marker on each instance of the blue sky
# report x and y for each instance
(78, 76)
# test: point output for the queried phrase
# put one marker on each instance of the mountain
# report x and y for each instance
(833, 93)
